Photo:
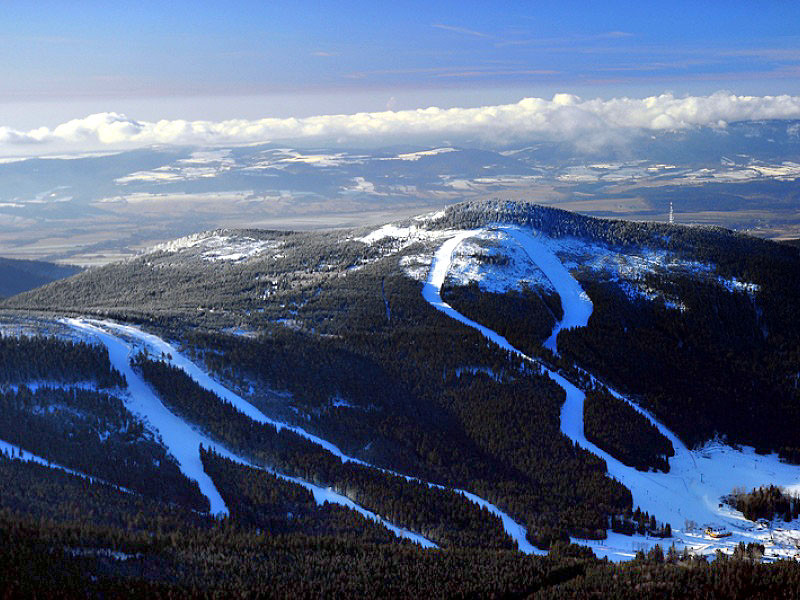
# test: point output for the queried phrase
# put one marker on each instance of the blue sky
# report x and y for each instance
(249, 59)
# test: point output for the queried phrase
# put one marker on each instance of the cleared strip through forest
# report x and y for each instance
(183, 441)
(160, 347)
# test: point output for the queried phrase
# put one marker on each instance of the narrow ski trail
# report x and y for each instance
(691, 492)
(158, 346)
(183, 441)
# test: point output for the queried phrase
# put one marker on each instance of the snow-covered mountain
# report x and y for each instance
(495, 375)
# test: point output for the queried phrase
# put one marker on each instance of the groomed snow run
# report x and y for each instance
(183, 441)
(574, 301)
(159, 347)
(689, 497)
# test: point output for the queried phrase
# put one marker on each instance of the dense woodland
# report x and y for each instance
(527, 317)
(767, 502)
(442, 516)
(704, 372)
(49, 359)
(64, 537)
(262, 501)
(93, 433)
(616, 427)
(439, 418)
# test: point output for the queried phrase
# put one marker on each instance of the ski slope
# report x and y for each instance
(691, 492)
(183, 441)
(158, 347)
(574, 301)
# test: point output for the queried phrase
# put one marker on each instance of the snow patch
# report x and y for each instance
(360, 186)
(200, 165)
(416, 266)
(215, 246)
(496, 263)
(415, 156)
(734, 285)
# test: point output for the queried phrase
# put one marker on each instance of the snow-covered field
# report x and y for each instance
(689, 497)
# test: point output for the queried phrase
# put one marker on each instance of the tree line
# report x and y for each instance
(44, 358)
(615, 426)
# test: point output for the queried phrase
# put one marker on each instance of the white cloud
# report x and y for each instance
(564, 117)
(463, 30)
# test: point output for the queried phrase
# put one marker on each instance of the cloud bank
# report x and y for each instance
(563, 118)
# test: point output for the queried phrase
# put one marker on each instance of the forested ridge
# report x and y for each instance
(18, 276)
(443, 516)
(434, 418)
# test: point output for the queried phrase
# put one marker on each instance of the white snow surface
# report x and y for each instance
(468, 265)
(183, 441)
(405, 236)
(214, 246)
(415, 156)
(690, 495)
(626, 268)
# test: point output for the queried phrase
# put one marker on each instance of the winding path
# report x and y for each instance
(691, 491)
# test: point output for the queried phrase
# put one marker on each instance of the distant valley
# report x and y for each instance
(17, 276)
(92, 210)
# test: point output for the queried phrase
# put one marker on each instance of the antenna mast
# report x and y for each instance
(671, 214)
